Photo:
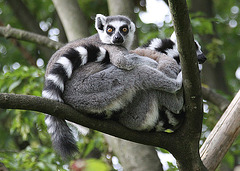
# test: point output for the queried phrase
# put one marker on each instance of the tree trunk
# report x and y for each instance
(72, 19)
(188, 135)
(134, 156)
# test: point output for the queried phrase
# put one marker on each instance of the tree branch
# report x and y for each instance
(191, 129)
(215, 98)
(34, 103)
(222, 136)
(9, 32)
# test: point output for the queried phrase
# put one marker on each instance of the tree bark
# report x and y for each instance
(72, 17)
(9, 32)
(134, 156)
(222, 136)
(123, 7)
(191, 129)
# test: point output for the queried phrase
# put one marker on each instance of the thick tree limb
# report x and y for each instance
(27, 102)
(191, 129)
(9, 32)
(186, 48)
(222, 136)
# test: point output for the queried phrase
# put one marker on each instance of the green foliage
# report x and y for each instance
(24, 80)
(172, 167)
(93, 165)
(89, 165)
(24, 142)
(214, 50)
(23, 133)
(201, 25)
(32, 158)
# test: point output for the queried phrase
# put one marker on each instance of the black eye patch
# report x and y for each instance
(110, 30)
(124, 30)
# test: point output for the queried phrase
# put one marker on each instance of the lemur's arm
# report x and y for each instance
(121, 58)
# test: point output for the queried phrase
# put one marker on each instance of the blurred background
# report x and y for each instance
(24, 142)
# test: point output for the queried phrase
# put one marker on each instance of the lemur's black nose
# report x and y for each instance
(201, 58)
(118, 38)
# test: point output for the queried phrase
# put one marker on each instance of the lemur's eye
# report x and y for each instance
(109, 30)
(124, 29)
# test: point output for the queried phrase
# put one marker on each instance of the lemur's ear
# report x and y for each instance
(100, 21)
(132, 27)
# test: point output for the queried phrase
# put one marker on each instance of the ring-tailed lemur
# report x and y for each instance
(102, 87)
(109, 46)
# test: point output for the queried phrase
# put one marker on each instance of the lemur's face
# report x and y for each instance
(117, 30)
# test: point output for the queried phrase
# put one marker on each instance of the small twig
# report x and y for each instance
(9, 32)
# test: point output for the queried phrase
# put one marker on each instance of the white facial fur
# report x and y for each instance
(108, 39)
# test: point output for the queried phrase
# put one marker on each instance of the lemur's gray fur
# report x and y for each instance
(109, 50)
(108, 87)
(97, 87)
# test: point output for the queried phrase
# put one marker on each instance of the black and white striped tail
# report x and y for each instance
(166, 46)
(169, 47)
(61, 135)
